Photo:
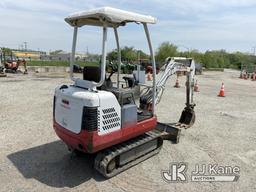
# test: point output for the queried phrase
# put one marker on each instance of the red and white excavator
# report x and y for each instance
(96, 115)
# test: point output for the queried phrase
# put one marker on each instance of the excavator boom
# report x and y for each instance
(173, 65)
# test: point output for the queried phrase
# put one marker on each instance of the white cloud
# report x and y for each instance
(36, 5)
(201, 24)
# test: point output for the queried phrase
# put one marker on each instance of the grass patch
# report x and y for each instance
(60, 63)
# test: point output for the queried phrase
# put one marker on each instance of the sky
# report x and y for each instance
(199, 24)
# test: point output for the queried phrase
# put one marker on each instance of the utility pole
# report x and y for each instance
(25, 45)
(254, 50)
(87, 51)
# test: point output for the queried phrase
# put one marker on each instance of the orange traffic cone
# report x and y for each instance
(196, 87)
(149, 77)
(177, 85)
(222, 94)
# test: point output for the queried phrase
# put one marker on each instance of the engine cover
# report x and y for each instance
(70, 102)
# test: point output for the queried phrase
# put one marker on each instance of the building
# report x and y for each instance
(63, 56)
(28, 54)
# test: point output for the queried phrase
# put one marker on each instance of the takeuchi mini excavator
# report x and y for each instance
(96, 115)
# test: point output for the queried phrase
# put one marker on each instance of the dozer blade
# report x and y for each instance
(168, 131)
(187, 118)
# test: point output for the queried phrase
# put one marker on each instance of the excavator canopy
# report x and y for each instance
(108, 17)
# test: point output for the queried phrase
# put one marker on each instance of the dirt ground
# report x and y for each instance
(32, 158)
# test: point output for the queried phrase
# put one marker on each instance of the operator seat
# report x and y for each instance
(91, 73)
(124, 96)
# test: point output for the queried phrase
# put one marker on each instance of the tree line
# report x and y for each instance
(209, 59)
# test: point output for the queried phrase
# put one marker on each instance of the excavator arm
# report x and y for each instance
(173, 65)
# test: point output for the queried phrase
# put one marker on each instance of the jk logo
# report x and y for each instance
(176, 173)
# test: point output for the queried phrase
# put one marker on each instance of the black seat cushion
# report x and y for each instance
(91, 73)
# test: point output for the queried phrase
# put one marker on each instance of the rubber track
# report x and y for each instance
(104, 158)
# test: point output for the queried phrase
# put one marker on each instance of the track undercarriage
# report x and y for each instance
(121, 157)
(118, 158)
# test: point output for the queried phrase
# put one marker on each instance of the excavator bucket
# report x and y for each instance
(187, 118)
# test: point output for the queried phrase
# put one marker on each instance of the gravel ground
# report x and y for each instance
(32, 158)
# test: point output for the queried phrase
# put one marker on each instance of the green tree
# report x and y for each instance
(7, 52)
(194, 53)
(208, 60)
(128, 54)
(236, 59)
(56, 52)
(143, 55)
(112, 55)
(165, 50)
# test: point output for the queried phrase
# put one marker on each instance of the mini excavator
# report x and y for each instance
(97, 116)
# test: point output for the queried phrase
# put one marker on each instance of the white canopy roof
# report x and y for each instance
(111, 16)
